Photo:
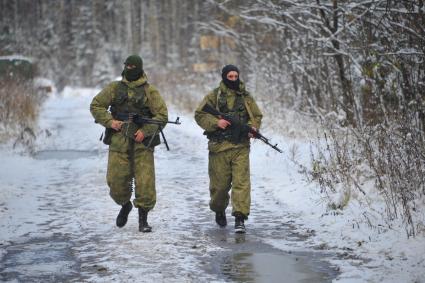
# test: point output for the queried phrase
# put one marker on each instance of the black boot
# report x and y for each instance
(220, 218)
(143, 221)
(123, 215)
(239, 223)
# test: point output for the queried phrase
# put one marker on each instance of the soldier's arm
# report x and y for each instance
(158, 109)
(100, 104)
(254, 121)
(205, 120)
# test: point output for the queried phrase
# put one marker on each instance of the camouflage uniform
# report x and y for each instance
(127, 158)
(228, 166)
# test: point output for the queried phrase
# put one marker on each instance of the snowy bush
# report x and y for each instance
(392, 156)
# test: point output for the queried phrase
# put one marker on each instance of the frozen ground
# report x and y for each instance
(57, 219)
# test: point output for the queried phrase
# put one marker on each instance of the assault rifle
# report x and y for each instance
(132, 122)
(238, 127)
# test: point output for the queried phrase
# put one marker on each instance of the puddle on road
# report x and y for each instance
(39, 260)
(247, 259)
(64, 154)
(268, 267)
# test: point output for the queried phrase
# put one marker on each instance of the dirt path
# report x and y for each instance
(65, 231)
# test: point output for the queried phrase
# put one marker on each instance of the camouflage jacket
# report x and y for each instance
(152, 99)
(208, 122)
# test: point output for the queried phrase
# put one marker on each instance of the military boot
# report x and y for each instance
(143, 221)
(123, 215)
(220, 218)
(239, 223)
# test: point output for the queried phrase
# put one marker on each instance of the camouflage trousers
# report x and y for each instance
(121, 173)
(229, 170)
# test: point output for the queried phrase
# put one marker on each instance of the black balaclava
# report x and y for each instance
(230, 84)
(136, 73)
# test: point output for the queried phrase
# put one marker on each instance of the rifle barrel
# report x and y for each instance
(138, 119)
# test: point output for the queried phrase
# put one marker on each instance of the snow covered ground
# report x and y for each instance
(57, 219)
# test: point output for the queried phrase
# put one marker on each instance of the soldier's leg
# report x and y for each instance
(118, 177)
(241, 184)
(144, 173)
(220, 174)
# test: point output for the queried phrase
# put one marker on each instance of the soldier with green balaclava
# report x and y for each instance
(228, 166)
(131, 146)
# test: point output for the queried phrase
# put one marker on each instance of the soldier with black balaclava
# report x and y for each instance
(228, 166)
(131, 147)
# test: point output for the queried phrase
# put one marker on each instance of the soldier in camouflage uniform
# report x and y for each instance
(228, 166)
(131, 150)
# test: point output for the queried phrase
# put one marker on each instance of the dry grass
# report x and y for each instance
(19, 107)
(392, 155)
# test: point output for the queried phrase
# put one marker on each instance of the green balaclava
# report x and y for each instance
(135, 73)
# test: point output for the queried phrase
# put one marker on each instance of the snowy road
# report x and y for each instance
(57, 220)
